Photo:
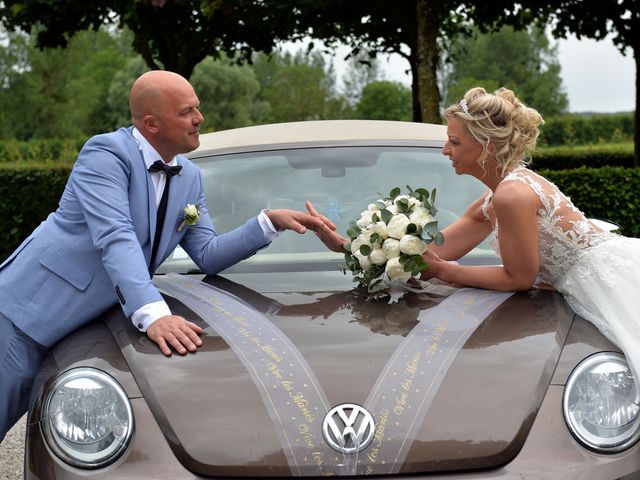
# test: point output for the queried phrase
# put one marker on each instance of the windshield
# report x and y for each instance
(339, 181)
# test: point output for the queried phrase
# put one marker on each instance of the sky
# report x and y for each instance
(595, 75)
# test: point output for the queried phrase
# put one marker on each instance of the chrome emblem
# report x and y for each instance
(348, 428)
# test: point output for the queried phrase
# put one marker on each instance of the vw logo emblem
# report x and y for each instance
(348, 428)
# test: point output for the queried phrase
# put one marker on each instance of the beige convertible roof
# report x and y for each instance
(320, 131)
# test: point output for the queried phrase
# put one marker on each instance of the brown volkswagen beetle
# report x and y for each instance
(301, 376)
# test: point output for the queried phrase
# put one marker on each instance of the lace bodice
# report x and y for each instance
(565, 233)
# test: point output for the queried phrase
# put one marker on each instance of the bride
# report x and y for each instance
(543, 240)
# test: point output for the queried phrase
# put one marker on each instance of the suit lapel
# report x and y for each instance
(152, 209)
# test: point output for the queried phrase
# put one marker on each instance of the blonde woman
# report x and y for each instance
(541, 237)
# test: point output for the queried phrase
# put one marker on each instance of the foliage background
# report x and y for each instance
(52, 100)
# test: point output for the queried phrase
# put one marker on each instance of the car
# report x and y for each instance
(302, 375)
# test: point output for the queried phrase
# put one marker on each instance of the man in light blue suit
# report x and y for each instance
(99, 247)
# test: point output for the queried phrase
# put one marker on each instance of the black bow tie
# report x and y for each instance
(160, 166)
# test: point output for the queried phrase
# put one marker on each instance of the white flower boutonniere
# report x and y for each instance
(191, 216)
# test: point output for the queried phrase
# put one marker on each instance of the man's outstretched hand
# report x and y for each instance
(174, 331)
(300, 222)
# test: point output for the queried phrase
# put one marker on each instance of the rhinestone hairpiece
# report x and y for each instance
(464, 106)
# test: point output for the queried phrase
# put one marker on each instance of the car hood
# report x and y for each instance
(445, 395)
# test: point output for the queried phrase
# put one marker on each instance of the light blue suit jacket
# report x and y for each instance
(94, 250)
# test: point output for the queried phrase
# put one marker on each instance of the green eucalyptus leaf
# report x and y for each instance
(439, 238)
(386, 215)
(374, 237)
(412, 228)
(394, 192)
(353, 233)
(375, 218)
(432, 228)
(423, 193)
(380, 204)
(365, 250)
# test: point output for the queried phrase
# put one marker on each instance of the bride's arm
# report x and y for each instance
(515, 206)
(464, 234)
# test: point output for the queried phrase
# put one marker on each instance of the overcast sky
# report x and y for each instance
(595, 75)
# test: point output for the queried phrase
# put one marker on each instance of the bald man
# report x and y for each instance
(99, 247)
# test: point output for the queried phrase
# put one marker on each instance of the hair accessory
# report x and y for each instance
(464, 106)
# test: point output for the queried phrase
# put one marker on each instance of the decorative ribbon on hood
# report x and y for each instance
(407, 385)
(288, 387)
(295, 401)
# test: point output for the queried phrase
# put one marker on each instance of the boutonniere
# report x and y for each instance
(191, 216)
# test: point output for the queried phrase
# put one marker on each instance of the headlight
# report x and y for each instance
(601, 403)
(87, 418)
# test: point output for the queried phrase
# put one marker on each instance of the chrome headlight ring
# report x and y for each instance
(601, 403)
(87, 418)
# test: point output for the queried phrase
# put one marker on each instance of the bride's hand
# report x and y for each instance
(434, 262)
(327, 235)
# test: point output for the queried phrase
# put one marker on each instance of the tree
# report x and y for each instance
(298, 87)
(13, 61)
(361, 71)
(228, 95)
(169, 34)
(597, 19)
(523, 61)
(385, 100)
(409, 28)
(58, 92)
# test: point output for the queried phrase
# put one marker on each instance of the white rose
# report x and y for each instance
(380, 228)
(372, 207)
(421, 216)
(393, 208)
(412, 245)
(363, 239)
(356, 243)
(391, 247)
(365, 261)
(397, 226)
(378, 256)
(395, 270)
(190, 210)
(366, 218)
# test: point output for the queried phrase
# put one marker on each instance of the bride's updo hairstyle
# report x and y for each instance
(501, 120)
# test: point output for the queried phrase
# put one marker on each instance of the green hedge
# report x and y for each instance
(588, 129)
(609, 193)
(47, 152)
(27, 195)
(563, 158)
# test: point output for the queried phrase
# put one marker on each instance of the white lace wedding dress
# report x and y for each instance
(598, 272)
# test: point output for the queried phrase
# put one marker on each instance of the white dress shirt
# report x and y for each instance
(149, 313)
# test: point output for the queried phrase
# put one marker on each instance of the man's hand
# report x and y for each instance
(327, 235)
(284, 219)
(176, 332)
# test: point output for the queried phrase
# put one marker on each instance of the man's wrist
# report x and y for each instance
(268, 228)
(149, 313)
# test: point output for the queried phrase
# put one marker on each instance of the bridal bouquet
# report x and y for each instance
(389, 238)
